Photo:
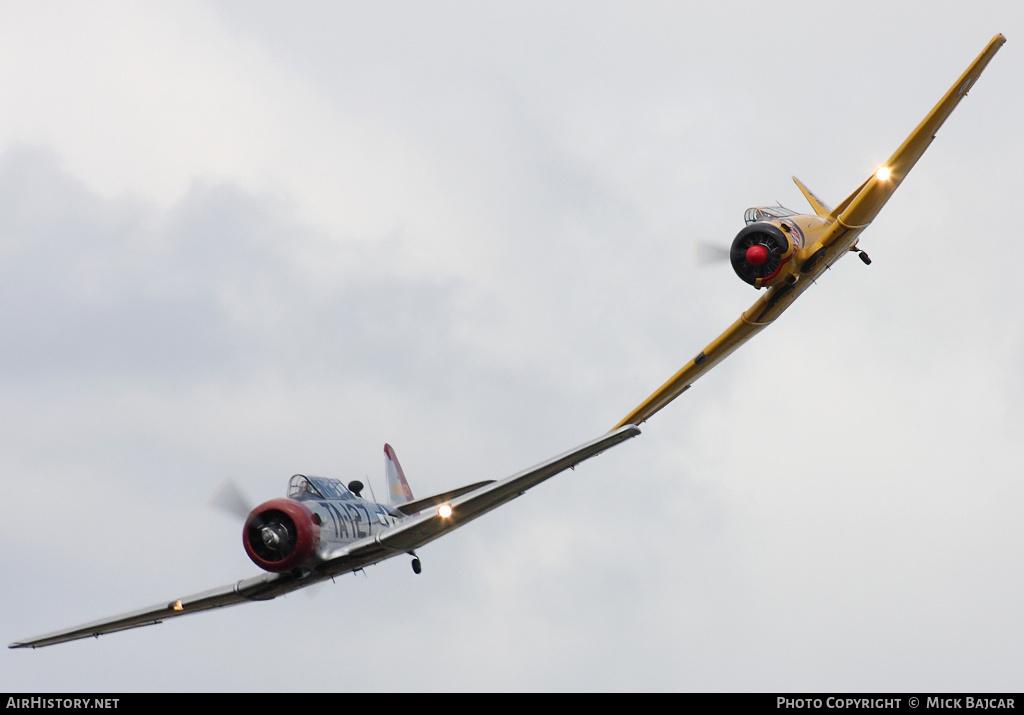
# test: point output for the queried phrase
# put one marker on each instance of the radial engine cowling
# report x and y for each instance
(759, 252)
(281, 535)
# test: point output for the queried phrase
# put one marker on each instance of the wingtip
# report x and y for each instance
(631, 429)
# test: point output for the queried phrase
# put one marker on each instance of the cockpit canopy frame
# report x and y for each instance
(301, 486)
(766, 213)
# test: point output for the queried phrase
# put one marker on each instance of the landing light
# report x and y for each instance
(883, 173)
(444, 511)
(177, 605)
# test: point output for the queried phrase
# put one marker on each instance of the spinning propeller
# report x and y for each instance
(710, 254)
(229, 498)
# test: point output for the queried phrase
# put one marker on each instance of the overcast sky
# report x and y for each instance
(250, 239)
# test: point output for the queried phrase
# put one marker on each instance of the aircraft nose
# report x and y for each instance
(757, 255)
(272, 535)
(281, 534)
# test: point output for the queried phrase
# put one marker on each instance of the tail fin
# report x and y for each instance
(398, 489)
(819, 206)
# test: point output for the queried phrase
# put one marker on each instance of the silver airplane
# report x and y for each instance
(325, 528)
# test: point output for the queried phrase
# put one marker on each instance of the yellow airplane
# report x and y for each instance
(785, 252)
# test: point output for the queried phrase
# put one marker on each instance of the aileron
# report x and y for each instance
(865, 203)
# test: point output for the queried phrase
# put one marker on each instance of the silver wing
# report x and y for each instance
(467, 504)
(258, 588)
(414, 532)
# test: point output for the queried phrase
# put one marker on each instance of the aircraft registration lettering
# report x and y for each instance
(340, 520)
(353, 514)
(369, 520)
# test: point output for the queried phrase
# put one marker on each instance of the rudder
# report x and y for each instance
(398, 488)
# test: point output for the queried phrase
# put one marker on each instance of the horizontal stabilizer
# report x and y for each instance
(415, 506)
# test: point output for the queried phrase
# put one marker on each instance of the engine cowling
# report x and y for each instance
(759, 252)
(280, 535)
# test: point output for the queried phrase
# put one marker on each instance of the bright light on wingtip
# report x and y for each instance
(444, 511)
(883, 173)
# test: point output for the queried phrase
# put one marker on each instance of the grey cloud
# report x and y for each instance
(209, 288)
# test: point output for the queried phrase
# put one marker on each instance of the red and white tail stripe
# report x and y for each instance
(398, 489)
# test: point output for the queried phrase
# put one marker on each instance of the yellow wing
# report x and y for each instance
(846, 222)
(760, 316)
(861, 207)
